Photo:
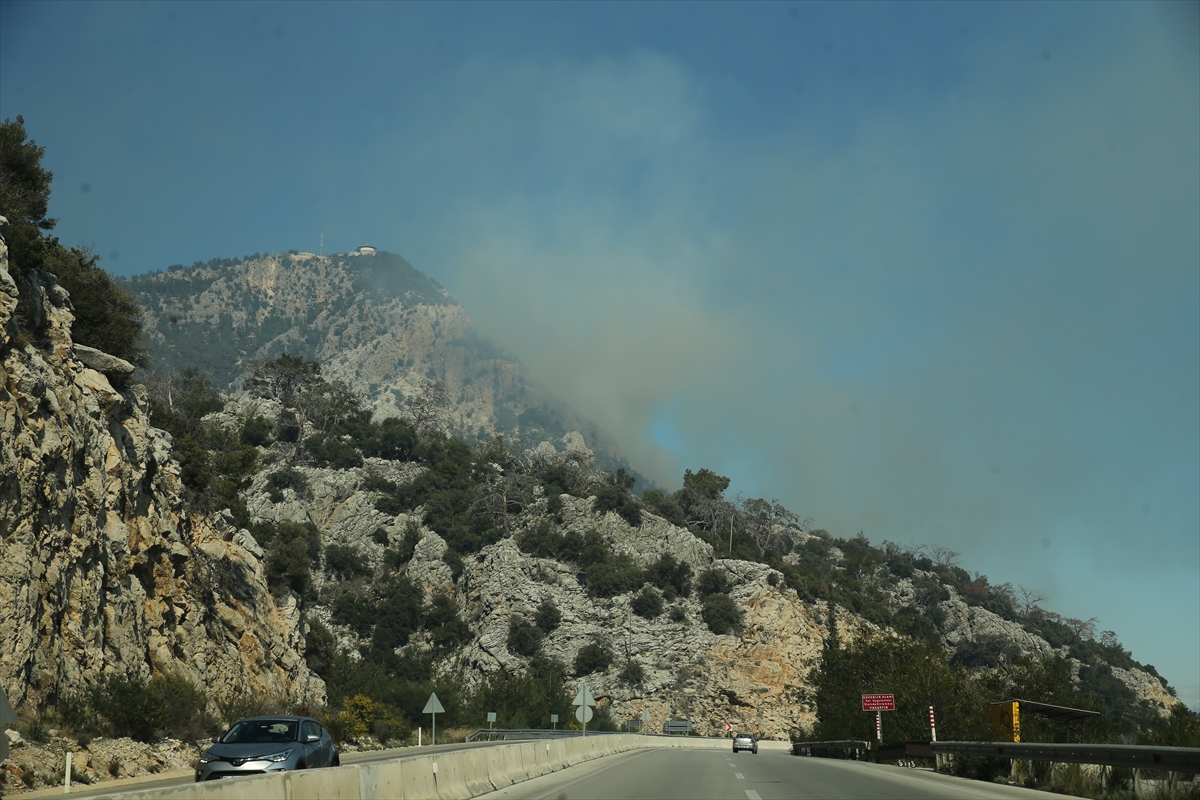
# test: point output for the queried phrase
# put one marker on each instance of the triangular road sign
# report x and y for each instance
(584, 698)
(434, 706)
(646, 715)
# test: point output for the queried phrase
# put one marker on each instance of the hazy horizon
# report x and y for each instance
(927, 271)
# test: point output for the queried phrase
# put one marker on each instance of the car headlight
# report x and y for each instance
(207, 757)
(276, 757)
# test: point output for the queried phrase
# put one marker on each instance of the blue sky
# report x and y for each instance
(928, 271)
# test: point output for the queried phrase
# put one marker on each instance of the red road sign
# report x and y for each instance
(879, 702)
(728, 727)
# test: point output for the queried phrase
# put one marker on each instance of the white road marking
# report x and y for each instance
(753, 795)
(739, 776)
(597, 772)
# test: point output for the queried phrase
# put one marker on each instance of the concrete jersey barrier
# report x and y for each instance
(458, 775)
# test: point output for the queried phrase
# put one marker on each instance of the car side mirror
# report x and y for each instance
(312, 737)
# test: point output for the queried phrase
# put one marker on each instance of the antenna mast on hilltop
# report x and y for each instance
(321, 250)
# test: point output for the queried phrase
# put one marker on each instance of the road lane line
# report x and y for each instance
(753, 795)
(739, 776)
(595, 773)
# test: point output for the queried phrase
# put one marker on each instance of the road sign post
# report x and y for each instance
(585, 702)
(879, 703)
(434, 707)
(645, 719)
(554, 721)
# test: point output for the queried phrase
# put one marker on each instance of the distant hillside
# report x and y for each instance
(373, 321)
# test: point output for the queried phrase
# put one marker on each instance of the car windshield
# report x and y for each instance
(745, 736)
(249, 731)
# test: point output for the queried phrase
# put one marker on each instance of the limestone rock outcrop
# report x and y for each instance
(372, 321)
(102, 571)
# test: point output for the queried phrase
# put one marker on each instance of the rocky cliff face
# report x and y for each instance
(101, 570)
(753, 679)
(372, 321)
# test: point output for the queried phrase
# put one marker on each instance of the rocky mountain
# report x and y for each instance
(102, 569)
(370, 319)
(752, 675)
(394, 554)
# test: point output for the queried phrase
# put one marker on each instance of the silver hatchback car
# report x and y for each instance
(261, 745)
(745, 741)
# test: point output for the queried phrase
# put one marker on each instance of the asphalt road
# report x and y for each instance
(770, 775)
(109, 788)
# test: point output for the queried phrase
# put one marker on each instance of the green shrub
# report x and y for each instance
(547, 617)
(721, 614)
(185, 703)
(257, 431)
(648, 604)
(354, 607)
(292, 549)
(288, 428)
(167, 705)
(524, 639)
(523, 699)
(345, 562)
(374, 482)
(327, 450)
(397, 615)
(287, 478)
(712, 581)
(632, 674)
(615, 498)
(615, 575)
(129, 708)
(394, 439)
(36, 731)
(446, 628)
(454, 561)
(592, 658)
(320, 647)
(677, 614)
(665, 506)
(674, 578)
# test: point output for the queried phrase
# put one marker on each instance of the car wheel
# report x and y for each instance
(337, 760)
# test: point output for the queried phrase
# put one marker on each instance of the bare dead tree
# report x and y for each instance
(426, 407)
(763, 518)
(326, 404)
(944, 556)
(1030, 601)
(160, 387)
(504, 493)
(1083, 628)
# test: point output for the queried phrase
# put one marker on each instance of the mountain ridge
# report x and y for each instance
(372, 320)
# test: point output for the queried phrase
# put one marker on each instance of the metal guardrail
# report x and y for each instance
(1167, 759)
(517, 734)
(507, 734)
(842, 744)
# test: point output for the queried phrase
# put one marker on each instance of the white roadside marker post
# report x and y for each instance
(67, 776)
(937, 759)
